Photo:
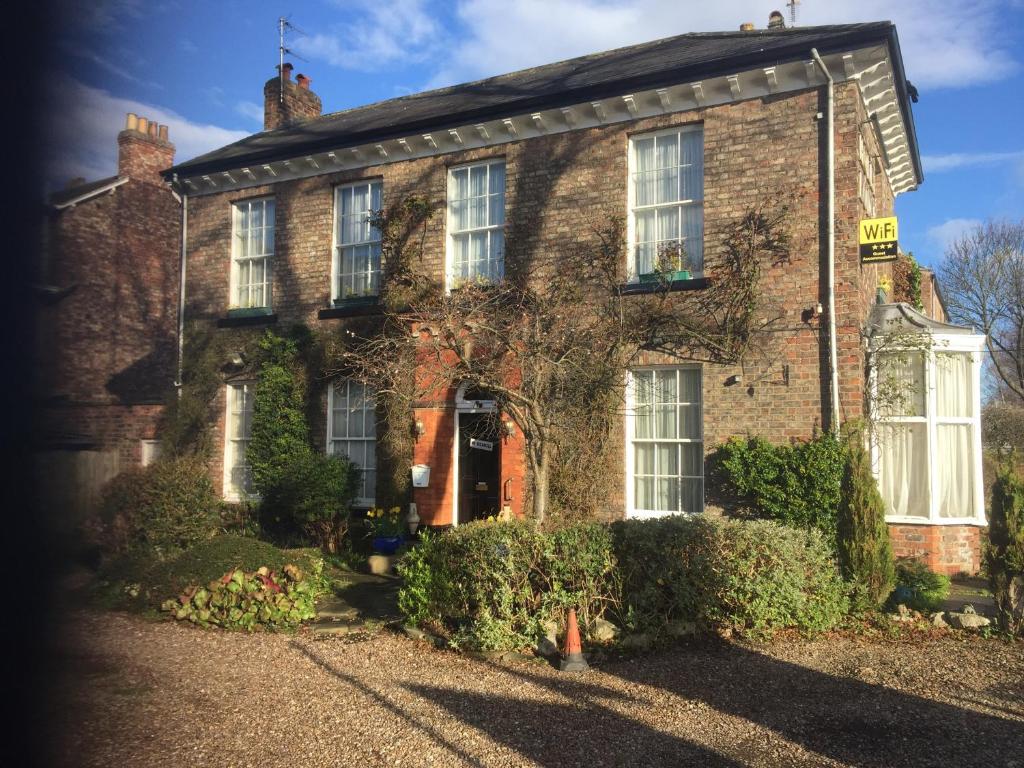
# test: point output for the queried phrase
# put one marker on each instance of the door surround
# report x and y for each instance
(462, 405)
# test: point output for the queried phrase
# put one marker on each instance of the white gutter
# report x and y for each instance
(833, 356)
(181, 288)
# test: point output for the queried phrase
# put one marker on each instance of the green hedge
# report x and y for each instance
(798, 484)
(490, 586)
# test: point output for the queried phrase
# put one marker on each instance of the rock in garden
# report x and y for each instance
(967, 620)
(603, 631)
(637, 642)
(682, 628)
(547, 645)
(939, 620)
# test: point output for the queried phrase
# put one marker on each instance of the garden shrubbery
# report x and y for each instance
(168, 506)
(796, 484)
(918, 587)
(492, 585)
(1004, 558)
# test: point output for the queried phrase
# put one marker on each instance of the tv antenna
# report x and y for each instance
(282, 26)
(792, 4)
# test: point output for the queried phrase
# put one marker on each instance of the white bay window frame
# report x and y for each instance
(632, 438)
(941, 344)
(679, 206)
(463, 234)
(252, 247)
(356, 250)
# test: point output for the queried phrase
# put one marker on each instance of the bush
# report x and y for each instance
(149, 581)
(1004, 558)
(491, 585)
(313, 494)
(750, 577)
(919, 588)
(797, 484)
(865, 552)
(262, 599)
(168, 506)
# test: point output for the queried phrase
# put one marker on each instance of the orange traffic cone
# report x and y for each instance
(573, 660)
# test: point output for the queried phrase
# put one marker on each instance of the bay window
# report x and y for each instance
(665, 442)
(666, 202)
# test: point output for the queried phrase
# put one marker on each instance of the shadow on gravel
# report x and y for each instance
(847, 720)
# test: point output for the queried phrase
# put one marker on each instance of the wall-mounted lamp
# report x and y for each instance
(236, 360)
(508, 427)
(734, 380)
(417, 427)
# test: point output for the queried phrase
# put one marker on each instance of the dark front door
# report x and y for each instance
(479, 466)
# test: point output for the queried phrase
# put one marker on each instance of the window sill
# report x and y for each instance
(693, 284)
(364, 305)
(241, 317)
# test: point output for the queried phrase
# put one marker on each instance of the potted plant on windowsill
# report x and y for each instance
(672, 264)
(387, 529)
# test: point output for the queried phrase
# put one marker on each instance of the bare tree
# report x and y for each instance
(552, 341)
(982, 275)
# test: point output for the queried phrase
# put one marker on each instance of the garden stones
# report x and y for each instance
(967, 619)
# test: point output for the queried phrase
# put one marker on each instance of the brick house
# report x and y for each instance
(680, 137)
(107, 297)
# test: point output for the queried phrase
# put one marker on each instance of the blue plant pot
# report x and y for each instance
(387, 545)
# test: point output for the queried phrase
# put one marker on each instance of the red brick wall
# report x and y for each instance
(948, 549)
(298, 105)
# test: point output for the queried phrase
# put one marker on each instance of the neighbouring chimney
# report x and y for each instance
(286, 103)
(143, 149)
(776, 20)
(747, 26)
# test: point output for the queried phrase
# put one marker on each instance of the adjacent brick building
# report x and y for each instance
(108, 303)
(681, 137)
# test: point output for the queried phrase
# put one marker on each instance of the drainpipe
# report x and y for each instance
(833, 356)
(181, 288)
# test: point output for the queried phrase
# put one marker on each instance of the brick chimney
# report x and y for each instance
(143, 150)
(298, 104)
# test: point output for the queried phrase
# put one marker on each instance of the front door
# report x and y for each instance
(479, 466)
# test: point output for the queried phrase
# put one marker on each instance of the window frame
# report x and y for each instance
(268, 276)
(450, 233)
(632, 274)
(359, 501)
(632, 512)
(941, 344)
(337, 245)
(230, 492)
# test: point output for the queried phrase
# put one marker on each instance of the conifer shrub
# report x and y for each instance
(1004, 558)
(918, 587)
(865, 551)
(798, 484)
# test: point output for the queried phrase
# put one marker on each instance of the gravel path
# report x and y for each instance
(143, 693)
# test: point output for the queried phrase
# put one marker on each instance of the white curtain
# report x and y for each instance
(901, 387)
(954, 384)
(954, 469)
(903, 470)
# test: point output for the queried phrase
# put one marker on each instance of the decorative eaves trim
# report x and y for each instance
(869, 66)
(91, 194)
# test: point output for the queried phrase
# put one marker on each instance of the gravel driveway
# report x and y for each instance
(143, 693)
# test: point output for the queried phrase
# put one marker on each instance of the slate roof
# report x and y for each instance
(80, 191)
(610, 73)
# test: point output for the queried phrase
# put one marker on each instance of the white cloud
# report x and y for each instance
(955, 160)
(250, 110)
(945, 233)
(382, 34)
(943, 44)
(83, 142)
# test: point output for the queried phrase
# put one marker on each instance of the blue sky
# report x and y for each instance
(200, 67)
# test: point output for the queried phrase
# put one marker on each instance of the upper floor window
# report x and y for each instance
(476, 217)
(664, 427)
(252, 253)
(352, 432)
(238, 431)
(666, 201)
(356, 265)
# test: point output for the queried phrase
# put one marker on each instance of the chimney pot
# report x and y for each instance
(131, 123)
(303, 81)
(286, 70)
(747, 26)
(163, 133)
(153, 129)
(776, 20)
(143, 126)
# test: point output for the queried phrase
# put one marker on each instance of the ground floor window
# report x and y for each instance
(149, 451)
(665, 441)
(237, 475)
(927, 439)
(352, 431)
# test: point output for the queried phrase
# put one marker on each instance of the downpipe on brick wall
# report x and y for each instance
(181, 287)
(833, 355)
